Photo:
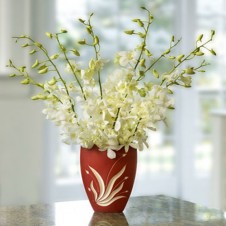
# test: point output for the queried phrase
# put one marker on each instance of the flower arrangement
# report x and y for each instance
(114, 110)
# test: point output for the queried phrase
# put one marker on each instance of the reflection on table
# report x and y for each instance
(140, 211)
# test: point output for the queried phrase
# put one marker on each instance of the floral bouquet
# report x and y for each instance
(113, 110)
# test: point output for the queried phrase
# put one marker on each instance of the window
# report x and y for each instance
(161, 159)
(180, 154)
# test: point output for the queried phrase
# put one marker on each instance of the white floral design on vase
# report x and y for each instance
(110, 192)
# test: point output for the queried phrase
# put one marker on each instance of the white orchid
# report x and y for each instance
(117, 109)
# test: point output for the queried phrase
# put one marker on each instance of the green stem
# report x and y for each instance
(32, 81)
(137, 127)
(69, 63)
(162, 55)
(116, 118)
(186, 58)
(145, 40)
(56, 69)
(96, 55)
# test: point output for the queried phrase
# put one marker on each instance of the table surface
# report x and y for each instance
(140, 211)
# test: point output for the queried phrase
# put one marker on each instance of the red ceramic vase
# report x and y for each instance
(108, 182)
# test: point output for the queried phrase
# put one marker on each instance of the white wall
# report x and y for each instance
(25, 162)
(21, 146)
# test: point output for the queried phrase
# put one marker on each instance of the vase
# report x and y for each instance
(108, 182)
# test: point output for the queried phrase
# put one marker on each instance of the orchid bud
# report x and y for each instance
(212, 33)
(199, 39)
(43, 71)
(180, 57)
(53, 81)
(142, 92)
(142, 35)
(89, 29)
(35, 64)
(213, 52)
(12, 75)
(22, 69)
(25, 45)
(25, 81)
(129, 32)
(199, 53)
(38, 44)
(155, 73)
(49, 35)
(167, 51)
(142, 63)
(190, 71)
(32, 52)
(96, 41)
(63, 31)
(81, 20)
(141, 24)
(172, 38)
(75, 52)
(82, 42)
(55, 56)
(39, 97)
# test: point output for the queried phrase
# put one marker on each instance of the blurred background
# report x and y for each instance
(186, 159)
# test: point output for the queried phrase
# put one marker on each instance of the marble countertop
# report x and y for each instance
(140, 211)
